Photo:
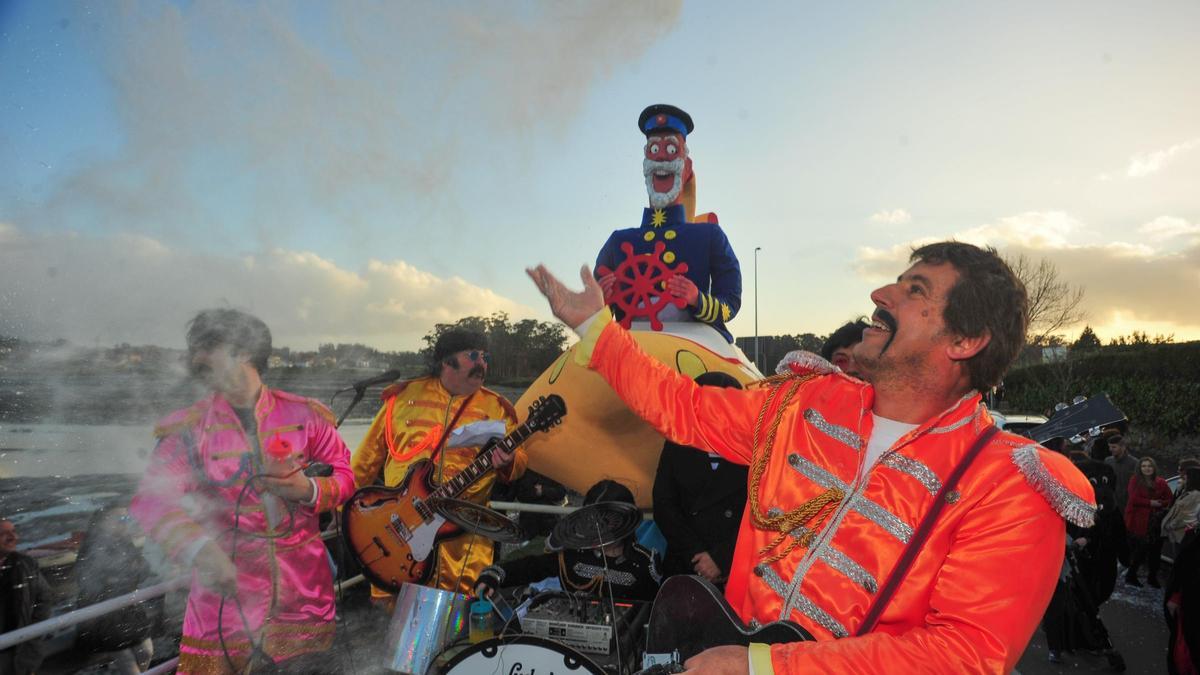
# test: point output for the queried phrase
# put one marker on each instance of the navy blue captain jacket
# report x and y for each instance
(712, 265)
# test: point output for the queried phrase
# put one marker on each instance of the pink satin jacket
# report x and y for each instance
(195, 490)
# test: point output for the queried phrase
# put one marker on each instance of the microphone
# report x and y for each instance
(382, 378)
(318, 470)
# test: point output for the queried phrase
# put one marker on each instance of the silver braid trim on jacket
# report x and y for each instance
(834, 431)
(866, 508)
(914, 469)
(801, 602)
(1066, 503)
(954, 426)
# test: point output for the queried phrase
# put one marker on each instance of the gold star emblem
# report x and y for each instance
(658, 218)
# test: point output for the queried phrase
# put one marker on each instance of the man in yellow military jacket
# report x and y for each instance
(415, 423)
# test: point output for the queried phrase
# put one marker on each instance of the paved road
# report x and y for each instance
(1135, 624)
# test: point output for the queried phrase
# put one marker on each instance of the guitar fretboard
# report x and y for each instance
(476, 469)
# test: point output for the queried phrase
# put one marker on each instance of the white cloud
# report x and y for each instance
(1034, 229)
(1141, 166)
(300, 125)
(1123, 281)
(1164, 228)
(891, 217)
(131, 288)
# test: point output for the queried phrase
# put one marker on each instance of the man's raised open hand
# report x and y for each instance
(572, 308)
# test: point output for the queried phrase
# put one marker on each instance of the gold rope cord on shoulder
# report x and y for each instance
(816, 508)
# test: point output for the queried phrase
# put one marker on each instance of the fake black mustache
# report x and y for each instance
(887, 318)
(477, 371)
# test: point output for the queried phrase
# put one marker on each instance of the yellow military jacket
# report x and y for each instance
(420, 410)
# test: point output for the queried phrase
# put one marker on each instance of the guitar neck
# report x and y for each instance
(482, 464)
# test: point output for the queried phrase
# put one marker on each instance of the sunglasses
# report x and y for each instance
(477, 355)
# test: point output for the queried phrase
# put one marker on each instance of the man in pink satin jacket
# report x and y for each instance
(225, 495)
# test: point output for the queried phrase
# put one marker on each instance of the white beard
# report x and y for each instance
(661, 200)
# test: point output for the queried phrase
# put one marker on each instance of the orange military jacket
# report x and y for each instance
(414, 415)
(979, 586)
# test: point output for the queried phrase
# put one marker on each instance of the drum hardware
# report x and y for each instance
(594, 526)
(479, 520)
(521, 654)
(425, 621)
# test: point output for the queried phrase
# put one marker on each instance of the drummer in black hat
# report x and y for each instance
(631, 569)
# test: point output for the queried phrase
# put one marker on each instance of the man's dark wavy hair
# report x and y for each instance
(244, 333)
(848, 335)
(988, 299)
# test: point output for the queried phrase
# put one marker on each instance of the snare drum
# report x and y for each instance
(521, 654)
(425, 621)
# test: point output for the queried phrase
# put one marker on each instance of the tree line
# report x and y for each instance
(520, 350)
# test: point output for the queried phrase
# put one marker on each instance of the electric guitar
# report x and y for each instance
(690, 615)
(393, 531)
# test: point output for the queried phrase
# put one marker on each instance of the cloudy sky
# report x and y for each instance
(361, 171)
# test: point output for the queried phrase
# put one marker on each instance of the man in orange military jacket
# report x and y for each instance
(842, 471)
(415, 424)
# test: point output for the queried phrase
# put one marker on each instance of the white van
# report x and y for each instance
(1017, 424)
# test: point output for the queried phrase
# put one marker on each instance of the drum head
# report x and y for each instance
(596, 525)
(520, 654)
(479, 520)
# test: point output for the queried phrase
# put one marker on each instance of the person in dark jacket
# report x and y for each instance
(630, 569)
(1181, 604)
(1104, 542)
(24, 599)
(699, 499)
(111, 565)
(1072, 620)
(534, 488)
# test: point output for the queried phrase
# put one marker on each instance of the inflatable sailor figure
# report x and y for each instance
(676, 282)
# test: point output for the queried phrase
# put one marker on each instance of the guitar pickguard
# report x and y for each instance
(422, 539)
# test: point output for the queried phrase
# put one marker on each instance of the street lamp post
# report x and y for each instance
(757, 360)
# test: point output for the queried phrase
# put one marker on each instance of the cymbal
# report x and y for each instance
(595, 525)
(479, 520)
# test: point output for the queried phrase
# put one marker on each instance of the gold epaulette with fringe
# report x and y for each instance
(170, 428)
(322, 410)
(313, 404)
(394, 389)
(504, 403)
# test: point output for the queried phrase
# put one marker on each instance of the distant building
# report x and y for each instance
(1054, 354)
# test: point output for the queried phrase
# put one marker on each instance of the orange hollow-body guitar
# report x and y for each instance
(393, 531)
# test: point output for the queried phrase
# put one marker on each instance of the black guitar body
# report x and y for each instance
(690, 615)
(1095, 413)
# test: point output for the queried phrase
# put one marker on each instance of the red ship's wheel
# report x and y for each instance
(640, 288)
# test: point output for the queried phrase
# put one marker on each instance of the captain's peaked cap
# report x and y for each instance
(664, 117)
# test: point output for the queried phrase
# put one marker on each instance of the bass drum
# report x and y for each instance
(520, 654)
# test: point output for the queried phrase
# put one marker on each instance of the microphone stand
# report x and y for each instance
(359, 392)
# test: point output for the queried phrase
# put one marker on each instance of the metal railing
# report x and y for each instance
(78, 616)
(72, 618)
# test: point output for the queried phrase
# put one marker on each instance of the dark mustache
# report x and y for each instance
(477, 371)
(886, 317)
